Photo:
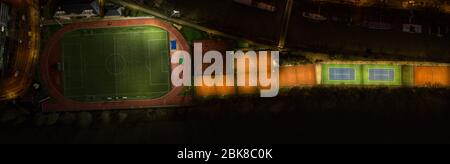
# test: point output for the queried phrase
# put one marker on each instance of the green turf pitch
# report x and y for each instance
(115, 62)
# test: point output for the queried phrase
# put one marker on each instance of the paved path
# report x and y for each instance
(26, 53)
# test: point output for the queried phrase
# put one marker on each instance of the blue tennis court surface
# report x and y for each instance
(342, 74)
(381, 74)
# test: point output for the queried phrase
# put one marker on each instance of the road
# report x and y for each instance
(340, 37)
(285, 23)
(438, 5)
(27, 52)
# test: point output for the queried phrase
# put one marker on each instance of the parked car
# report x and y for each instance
(347, 21)
(377, 25)
(412, 28)
(257, 4)
(314, 16)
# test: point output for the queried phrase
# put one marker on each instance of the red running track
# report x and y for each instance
(51, 77)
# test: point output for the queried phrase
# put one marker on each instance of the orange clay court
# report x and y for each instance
(302, 75)
(432, 75)
(298, 75)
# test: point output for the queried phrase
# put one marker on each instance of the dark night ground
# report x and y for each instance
(329, 37)
(318, 115)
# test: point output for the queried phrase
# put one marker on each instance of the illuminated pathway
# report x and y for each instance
(26, 54)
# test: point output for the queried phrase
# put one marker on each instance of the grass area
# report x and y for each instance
(134, 13)
(408, 75)
(115, 62)
(191, 34)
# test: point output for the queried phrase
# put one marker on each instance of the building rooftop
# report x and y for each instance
(77, 7)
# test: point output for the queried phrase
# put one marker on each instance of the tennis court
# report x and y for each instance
(381, 74)
(117, 63)
(341, 74)
(298, 75)
(378, 74)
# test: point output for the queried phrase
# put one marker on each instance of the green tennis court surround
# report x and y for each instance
(382, 74)
(119, 62)
(368, 74)
(341, 74)
(408, 75)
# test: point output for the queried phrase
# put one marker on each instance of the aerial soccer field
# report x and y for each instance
(131, 62)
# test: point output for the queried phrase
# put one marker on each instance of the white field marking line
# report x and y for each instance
(125, 93)
(83, 65)
(63, 58)
(133, 93)
(115, 50)
(164, 65)
(149, 43)
(66, 76)
(115, 77)
(116, 33)
(150, 65)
